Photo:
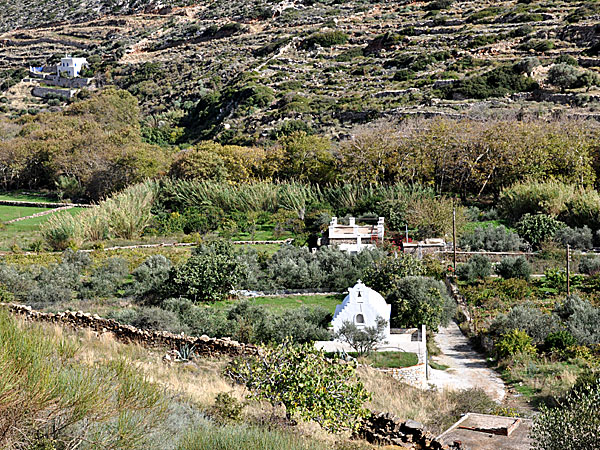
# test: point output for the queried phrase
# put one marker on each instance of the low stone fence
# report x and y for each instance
(203, 345)
(415, 376)
(462, 256)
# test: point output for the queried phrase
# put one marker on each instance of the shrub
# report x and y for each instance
(515, 342)
(514, 268)
(540, 46)
(149, 278)
(478, 267)
(589, 265)
(325, 39)
(538, 228)
(563, 76)
(491, 239)
(573, 424)
(581, 319)
(559, 340)
(227, 409)
(105, 279)
(577, 238)
(528, 318)
(362, 340)
(208, 275)
(547, 197)
(420, 300)
(306, 384)
(152, 318)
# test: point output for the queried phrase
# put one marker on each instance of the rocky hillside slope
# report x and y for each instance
(246, 71)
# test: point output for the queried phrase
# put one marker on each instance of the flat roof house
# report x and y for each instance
(71, 66)
(354, 238)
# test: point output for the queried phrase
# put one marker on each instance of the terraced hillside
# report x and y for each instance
(247, 71)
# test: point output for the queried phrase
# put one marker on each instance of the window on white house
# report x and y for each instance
(360, 318)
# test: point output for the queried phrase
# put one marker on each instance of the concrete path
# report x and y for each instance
(468, 368)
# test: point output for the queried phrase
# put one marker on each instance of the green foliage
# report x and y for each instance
(325, 39)
(572, 425)
(385, 274)
(589, 265)
(227, 409)
(581, 320)
(149, 278)
(559, 340)
(515, 342)
(577, 238)
(420, 300)
(528, 318)
(495, 83)
(539, 46)
(563, 76)
(306, 383)
(478, 267)
(538, 228)
(517, 267)
(363, 340)
(208, 437)
(207, 276)
(491, 239)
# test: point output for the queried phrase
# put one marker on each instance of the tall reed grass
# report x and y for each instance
(124, 215)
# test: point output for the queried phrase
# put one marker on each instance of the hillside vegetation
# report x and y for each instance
(247, 72)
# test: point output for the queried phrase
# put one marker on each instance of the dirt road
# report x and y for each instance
(467, 367)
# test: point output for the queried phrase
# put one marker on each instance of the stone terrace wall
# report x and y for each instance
(204, 346)
(415, 376)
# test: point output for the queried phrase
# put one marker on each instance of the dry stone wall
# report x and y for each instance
(204, 345)
(415, 376)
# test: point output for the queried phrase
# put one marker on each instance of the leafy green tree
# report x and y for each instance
(420, 300)
(563, 76)
(517, 267)
(386, 273)
(572, 425)
(363, 340)
(306, 157)
(307, 384)
(207, 276)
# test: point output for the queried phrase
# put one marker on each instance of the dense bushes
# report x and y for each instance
(514, 268)
(491, 239)
(495, 83)
(577, 238)
(325, 39)
(96, 143)
(538, 228)
(537, 324)
(477, 268)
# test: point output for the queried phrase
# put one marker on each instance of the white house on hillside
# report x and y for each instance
(362, 306)
(71, 66)
(353, 237)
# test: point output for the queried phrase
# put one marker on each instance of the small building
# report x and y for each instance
(354, 238)
(487, 432)
(362, 306)
(70, 66)
(426, 247)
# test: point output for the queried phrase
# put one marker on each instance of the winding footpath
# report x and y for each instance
(467, 367)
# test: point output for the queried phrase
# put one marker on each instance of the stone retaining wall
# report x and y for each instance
(415, 376)
(204, 346)
(45, 92)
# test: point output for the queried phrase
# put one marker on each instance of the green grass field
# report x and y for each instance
(262, 233)
(26, 197)
(328, 302)
(24, 232)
